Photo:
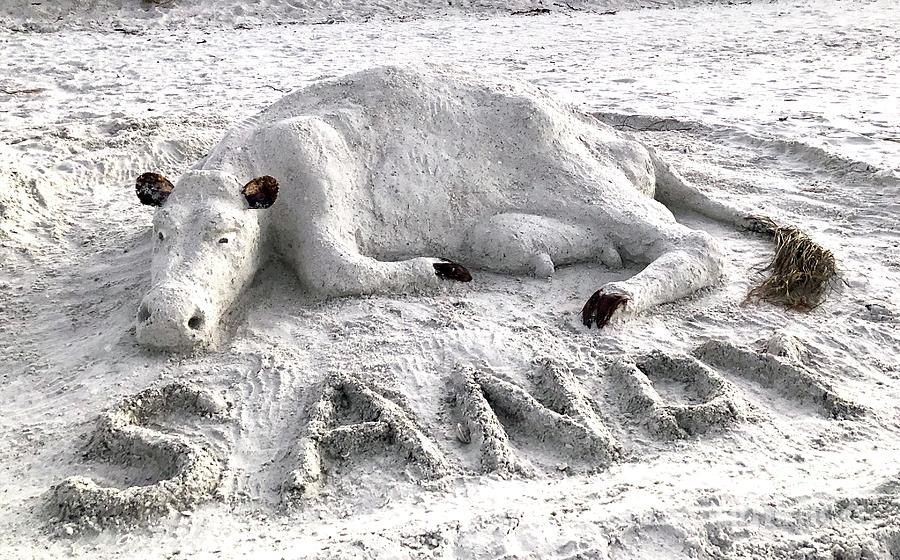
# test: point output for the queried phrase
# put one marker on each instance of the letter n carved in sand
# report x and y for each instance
(567, 421)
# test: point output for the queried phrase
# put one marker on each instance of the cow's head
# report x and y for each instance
(207, 245)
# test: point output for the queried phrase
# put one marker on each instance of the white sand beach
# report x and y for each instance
(789, 108)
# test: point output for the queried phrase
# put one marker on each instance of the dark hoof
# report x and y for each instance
(452, 271)
(600, 308)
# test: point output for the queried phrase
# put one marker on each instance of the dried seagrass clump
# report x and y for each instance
(801, 271)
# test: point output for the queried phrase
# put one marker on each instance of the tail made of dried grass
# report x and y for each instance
(800, 273)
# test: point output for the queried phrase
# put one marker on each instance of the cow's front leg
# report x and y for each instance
(685, 262)
(334, 269)
(449, 270)
(314, 225)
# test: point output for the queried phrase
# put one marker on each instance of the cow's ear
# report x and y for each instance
(153, 189)
(261, 192)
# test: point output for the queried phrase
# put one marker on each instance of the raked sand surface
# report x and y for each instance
(790, 108)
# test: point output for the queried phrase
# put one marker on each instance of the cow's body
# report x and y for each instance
(383, 171)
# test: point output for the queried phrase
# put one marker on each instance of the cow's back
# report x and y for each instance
(441, 149)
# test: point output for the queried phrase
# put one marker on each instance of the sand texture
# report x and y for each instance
(463, 420)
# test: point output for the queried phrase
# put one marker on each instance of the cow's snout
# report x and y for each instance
(195, 323)
(171, 318)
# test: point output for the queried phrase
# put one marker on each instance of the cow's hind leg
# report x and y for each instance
(530, 244)
(681, 261)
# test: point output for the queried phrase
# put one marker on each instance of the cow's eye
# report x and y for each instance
(223, 240)
(160, 236)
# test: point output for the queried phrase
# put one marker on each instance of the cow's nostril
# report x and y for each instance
(143, 313)
(196, 322)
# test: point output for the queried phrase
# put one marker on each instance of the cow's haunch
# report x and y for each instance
(362, 182)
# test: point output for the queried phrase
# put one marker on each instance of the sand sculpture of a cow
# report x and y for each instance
(384, 180)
